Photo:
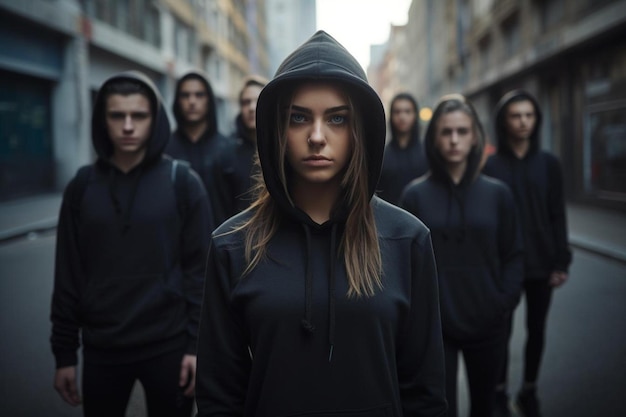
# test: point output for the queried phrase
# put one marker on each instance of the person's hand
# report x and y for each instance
(65, 384)
(188, 375)
(558, 278)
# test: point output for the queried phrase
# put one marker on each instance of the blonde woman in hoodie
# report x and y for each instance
(477, 245)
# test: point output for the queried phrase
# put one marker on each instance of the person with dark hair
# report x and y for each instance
(404, 154)
(197, 138)
(536, 178)
(321, 299)
(130, 255)
(235, 166)
(478, 248)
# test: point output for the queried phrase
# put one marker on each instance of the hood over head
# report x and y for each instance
(500, 127)
(447, 104)
(160, 124)
(320, 58)
(211, 116)
(415, 130)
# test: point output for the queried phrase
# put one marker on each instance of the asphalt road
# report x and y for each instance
(584, 372)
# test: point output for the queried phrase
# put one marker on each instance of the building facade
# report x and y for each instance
(54, 55)
(571, 54)
(289, 24)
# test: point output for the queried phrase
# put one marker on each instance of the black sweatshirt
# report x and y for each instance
(129, 264)
(478, 249)
(401, 166)
(285, 340)
(203, 153)
(235, 170)
(537, 184)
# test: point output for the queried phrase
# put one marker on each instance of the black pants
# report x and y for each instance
(538, 295)
(483, 361)
(107, 388)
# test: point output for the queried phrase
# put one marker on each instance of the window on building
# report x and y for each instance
(485, 52)
(551, 13)
(26, 153)
(607, 150)
(511, 35)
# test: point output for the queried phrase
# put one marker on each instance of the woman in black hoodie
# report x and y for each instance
(477, 246)
(320, 299)
(404, 154)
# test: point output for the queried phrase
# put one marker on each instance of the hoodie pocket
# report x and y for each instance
(470, 302)
(118, 310)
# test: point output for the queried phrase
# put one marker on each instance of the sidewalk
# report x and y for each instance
(596, 230)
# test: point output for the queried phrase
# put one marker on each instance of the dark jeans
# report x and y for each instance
(483, 361)
(107, 388)
(538, 295)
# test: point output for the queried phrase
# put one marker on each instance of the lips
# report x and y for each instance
(317, 161)
(316, 158)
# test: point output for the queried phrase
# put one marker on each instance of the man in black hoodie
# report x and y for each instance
(197, 138)
(131, 246)
(235, 168)
(536, 179)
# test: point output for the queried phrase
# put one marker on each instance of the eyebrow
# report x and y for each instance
(327, 111)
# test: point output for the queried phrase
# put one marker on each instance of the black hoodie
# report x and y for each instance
(203, 153)
(235, 171)
(401, 165)
(537, 184)
(129, 265)
(477, 243)
(285, 339)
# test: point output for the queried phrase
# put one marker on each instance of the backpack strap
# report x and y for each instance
(180, 178)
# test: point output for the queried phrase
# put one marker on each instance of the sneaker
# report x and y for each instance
(528, 404)
(501, 406)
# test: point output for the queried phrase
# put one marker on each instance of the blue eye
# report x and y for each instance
(297, 118)
(338, 119)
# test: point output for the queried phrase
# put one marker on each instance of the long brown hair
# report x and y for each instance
(359, 243)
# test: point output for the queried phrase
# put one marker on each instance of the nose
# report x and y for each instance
(128, 124)
(317, 136)
(454, 138)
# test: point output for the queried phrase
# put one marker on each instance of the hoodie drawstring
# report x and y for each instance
(455, 193)
(331, 291)
(306, 321)
(125, 215)
(308, 285)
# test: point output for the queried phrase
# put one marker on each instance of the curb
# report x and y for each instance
(598, 248)
(38, 226)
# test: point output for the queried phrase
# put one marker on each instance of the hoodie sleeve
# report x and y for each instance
(510, 248)
(197, 228)
(558, 217)
(420, 355)
(224, 362)
(65, 308)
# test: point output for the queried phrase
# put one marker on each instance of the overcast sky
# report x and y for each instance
(357, 24)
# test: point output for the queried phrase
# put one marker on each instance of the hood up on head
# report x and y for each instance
(211, 116)
(500, 127)
(448, 103)
(321, 58)
(160, 124)
(415, 129)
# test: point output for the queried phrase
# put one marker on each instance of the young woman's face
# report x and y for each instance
(455, 137)
(403, 115)
(319, 140)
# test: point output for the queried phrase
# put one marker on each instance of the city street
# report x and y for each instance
(584, 372)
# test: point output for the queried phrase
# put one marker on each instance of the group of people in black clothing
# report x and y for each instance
(303, 267)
